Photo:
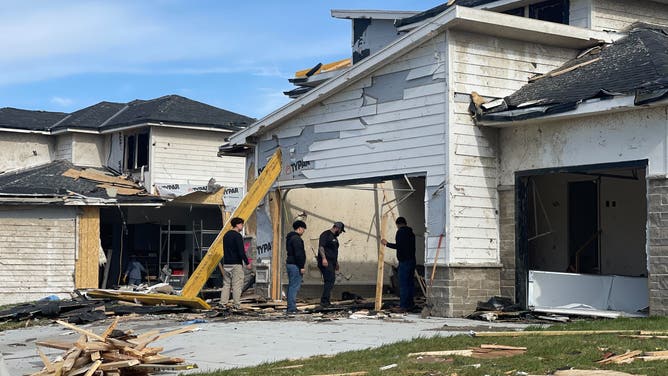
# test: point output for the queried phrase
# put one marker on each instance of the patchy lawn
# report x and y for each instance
(545, 354)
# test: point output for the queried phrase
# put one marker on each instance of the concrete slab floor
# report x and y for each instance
(227, 344)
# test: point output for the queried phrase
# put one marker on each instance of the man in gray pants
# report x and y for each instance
(233, 260)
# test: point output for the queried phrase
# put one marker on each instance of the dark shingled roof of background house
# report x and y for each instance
(429, 13)
(27, 119)
(173, 109)
(636, 64)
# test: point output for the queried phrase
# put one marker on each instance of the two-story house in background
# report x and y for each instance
(138, 178)
(534, 172)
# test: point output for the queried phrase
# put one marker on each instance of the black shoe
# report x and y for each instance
(325, 305)
(291, 312)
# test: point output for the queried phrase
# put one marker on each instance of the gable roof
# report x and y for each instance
(456, 17)
(104, 116)
(47, 181)
(29, 120)
(634, 65)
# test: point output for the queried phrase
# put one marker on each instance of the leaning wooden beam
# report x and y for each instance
(80, 330)
(47, 363)
(250, 201)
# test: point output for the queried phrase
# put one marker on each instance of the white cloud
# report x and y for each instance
(61, 101)
(43, 40)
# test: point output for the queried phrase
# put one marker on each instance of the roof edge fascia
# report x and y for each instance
(584, 109)
(457, 17)
(373, 14)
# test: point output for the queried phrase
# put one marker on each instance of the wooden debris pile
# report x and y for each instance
(631, 356)
(112, 353)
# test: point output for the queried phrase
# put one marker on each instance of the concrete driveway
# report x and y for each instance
(227, 344)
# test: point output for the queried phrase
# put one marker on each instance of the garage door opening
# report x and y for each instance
(581, 239)
(369, 211)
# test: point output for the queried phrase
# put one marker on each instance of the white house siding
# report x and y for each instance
(64, 147)
(21, 150)
(390, 123)
(37, 253)
(579, 13)
(493, 67)
(616, 15)
(616, 137)
(185, 156)
(88, 149)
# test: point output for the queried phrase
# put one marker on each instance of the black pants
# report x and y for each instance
(329, 276)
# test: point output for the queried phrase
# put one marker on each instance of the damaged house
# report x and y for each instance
(106, 182)
(524, 141)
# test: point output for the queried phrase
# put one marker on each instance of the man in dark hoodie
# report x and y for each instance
(234, 258)
(405, 246)
(295, 263)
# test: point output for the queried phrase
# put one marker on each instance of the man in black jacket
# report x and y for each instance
(233, 259)
(405, 246)
(328, 260)
(295, 263)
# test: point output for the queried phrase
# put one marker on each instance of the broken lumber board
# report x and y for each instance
(187, 329)
(162, 359)
(151, 299)
(56, 344)
(116, 365)
(245, 209)
(47, 363)
(553, 333)
(93, 368)
(651, 358)
(467, 352)
(80, 330)
(165, 367)
(110, 328)
(629, 355)
(656, 353)
(590, 372)
(502, 347)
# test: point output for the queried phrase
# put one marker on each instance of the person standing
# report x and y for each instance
(233, 260)
(328, 260)
(405, 246)
(134, 271)
(295, 262)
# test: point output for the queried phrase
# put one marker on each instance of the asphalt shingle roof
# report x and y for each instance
(429, 13)
(637, 62)
(173, 109)
(26, 119)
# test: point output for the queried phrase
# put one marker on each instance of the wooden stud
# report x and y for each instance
(275, 214)
(93, 368)
(47, 363)
(80, 330)
(111, 328)
(250, 201)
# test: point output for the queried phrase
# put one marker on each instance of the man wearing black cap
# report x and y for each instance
(405, 246)
(295, 263)
(328, 254)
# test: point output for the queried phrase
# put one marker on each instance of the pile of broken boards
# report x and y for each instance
(81, 310)
(112, 353)
(498, 308)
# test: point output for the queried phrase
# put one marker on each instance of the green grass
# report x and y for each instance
(545, 354)
(9, 325)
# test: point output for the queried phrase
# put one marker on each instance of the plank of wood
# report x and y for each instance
(151, 299)
(150, 333)
(162, 359)
(70, 359)
(110, 328)
(55, 344)
(502, 347)
(102, 178)
(116, 365)
(588, 372)
(467, 352)
(245, 209)
(47, 363)
(119, 343)
(552, 333)
(620, 358)
(186, 329)
(80, 330)
(72, 173)
(433, 269)
(381, 220)
(116, 356)
(94, 346)
(359, 373)
(95, 356)
(123, 191)
(165, 367)
(656, 353)
(93, 367)
(651, 358)
(275, 215)
(86, 269)
(152, 350)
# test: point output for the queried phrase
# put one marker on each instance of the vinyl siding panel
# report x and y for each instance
(493, 67)
(180, 156)
(37, 253)
(618, 14)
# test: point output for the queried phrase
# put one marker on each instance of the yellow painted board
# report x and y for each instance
(150, 299)
(247, 206)
(326, 67)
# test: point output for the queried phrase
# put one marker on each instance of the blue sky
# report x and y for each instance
(237, 55)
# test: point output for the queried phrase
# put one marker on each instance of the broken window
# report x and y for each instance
(551, 11)
(136, 149)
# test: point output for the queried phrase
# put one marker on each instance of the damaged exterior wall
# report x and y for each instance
(371, 35)
(492, 67)
(625, 136)
(184, 156)
(385, 125)
(616, 15)
(88, 149)
(37, 253)
(20, 150)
